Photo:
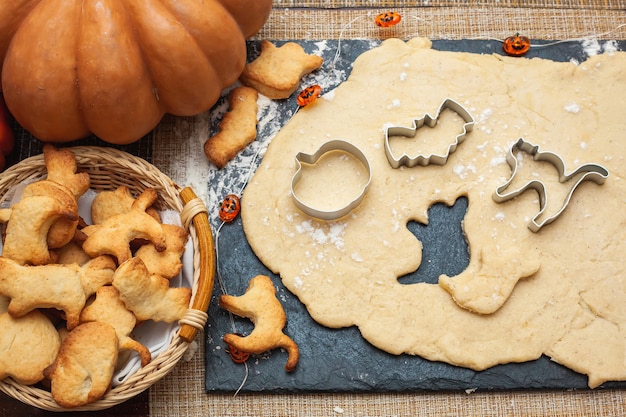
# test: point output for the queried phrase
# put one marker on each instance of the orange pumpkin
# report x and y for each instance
(115, 67)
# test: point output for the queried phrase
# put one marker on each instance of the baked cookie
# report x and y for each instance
(61, 167)
(109, 308)
(115, 234)
(72, 253)
(28, 345)
(83, 370)
(45, 286)
(46, 216)
(277, 72)
(261, 306)
(148, 296)
(95, 273)
(237, 128)
(42, 204)
(111, 203)
(166, 263)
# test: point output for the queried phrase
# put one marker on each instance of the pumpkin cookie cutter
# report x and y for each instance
(333, 145)
(592, 172)
(430, 121)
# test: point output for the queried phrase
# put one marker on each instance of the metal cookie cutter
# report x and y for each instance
(429, 121)
(593, 172)
(333, 145)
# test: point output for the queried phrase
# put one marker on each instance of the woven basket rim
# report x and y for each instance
(101, 160)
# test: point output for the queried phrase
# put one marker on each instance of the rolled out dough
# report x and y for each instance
(559, 292)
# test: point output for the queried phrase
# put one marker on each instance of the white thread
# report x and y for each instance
(338, 52)
(584, 38)
(245, 379)
(220, 280)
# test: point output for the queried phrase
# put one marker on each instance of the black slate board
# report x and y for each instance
(339, 360)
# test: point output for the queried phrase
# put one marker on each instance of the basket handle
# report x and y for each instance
(207, 264)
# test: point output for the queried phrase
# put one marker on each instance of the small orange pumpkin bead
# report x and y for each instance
(388, 19)
(238, 356)
(516, 45)
(309, 95)
(230, 208)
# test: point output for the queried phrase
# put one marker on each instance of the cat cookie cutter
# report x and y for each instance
(593, 172)
(429, 121)
(333, 145)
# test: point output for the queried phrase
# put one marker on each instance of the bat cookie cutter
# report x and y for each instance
(333, 145)
(592, 172)
(430, 121)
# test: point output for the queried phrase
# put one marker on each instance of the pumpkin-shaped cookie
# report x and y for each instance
(115, 67)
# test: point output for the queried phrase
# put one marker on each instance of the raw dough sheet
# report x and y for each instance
(340, 359)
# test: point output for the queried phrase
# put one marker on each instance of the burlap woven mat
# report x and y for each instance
(458, 22)
(355, 4)
(182, 392)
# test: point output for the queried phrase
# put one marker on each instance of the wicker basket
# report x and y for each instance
(110, 168)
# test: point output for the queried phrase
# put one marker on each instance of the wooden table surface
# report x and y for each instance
(182, 392)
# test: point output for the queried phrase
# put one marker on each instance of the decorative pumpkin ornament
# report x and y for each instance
(230, 208)
(115, 67)
(387, 19)
(516, 45)
(308, 95)
(238, 356)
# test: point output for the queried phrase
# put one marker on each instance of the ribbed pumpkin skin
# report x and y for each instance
(115, 67)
